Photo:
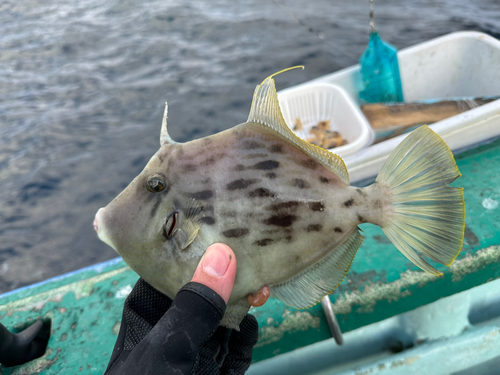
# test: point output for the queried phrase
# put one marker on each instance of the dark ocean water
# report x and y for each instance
(82, 87)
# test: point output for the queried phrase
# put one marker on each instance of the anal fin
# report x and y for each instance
(322, 278)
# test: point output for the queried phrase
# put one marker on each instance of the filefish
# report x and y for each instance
(284, 206)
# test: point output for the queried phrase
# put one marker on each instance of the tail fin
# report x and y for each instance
(428, 215)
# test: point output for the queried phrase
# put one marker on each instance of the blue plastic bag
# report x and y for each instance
(380, 72)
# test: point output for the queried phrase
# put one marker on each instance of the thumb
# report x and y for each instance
(217, 270)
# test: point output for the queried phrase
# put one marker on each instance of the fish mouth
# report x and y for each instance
(100, 228)
(96, 225)
(97, 219)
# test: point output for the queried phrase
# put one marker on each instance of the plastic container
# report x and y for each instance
(326, 102)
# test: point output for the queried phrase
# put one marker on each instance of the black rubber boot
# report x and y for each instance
(22, 347)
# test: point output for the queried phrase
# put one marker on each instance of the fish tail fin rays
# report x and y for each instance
(164, 136)
(428, 216)
(322, 278)
(266, 111)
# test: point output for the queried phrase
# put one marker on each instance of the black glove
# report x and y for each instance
(158, 336)
(16, 349)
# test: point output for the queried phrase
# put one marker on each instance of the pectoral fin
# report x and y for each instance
(189, 224)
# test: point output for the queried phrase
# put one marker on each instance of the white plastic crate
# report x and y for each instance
(326, 102)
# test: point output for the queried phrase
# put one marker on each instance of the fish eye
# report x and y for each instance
(156, 183)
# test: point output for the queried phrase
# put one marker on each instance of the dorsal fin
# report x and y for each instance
(266, 111)
(164, 136)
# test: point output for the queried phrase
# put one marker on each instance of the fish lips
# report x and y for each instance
(99, 227)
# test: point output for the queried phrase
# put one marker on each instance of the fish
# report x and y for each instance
(284, 206)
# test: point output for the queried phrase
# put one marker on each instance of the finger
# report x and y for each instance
(240, 347)
(217, 270)
(259, 298)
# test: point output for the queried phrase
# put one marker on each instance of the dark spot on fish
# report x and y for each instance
(189, 167)
(349, 203)
(300, 183)
(206, 180)
(213, 159)
(377, 204)
(270, 175)
(235, 233)
(239, 167)
(261, 193)
(271, 231)
(228, 213)
(309, 163)
(361, 218)
(296, 258)
(251, 145)
(338, 230)
(253, 156)
(360, 191)
(324, 180)
(288, 238)
(160, 156)
(208, 208)
(281, 220)
(276, 149)
(264, 242)
(240, 184)
(207, 140)
(202, 195)
(155, 207)
(316, 206)
(266, 165)
(314, 228)
(290, 205)
(209, 161)
(209, 220)
(230, 257)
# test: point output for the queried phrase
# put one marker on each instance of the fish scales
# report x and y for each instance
(283, 206)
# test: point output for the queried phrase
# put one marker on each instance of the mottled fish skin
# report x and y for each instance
(278, 208)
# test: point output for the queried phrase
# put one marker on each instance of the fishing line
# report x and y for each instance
(312, 31)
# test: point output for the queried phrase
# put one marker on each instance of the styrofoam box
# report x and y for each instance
(326, 102)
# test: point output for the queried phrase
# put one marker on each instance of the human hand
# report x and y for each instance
(161, 336)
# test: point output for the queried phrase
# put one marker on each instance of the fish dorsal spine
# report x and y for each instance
(164, 136)
(266, 111)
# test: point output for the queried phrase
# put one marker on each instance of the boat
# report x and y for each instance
(395, 318)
